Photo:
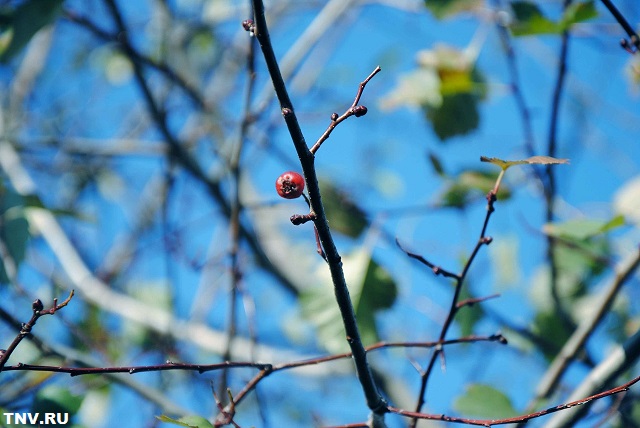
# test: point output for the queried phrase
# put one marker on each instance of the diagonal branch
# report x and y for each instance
(373, 397)
(182, 156)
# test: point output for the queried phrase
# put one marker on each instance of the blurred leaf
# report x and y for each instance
(582, 229)
(56, 399)
(21, 24)
(632, 72)
(529, 19)
(484, 401)
(533, 160)
(468, 316)
(187, 421)
(447, 86)
(458, 115)
(469, 186)
(436, 164)
(14, 229)
(444, 8)
(549, 324)
(342, 212)
(418, 88)
(578, 12)
(626, 201)
(371, 288)
(504, 255)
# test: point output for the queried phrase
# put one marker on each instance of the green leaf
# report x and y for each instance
(582, 229)
(458, 115)
(343, 214)
(484, 401)
(56, 399)
(549, 324)
(469, 186)
(187, 421)
(578, 12)
(445, 8)
(468, 316)
(20, 25)
(530, 20)
(371, 288)
(436, 163)
(14, 229)
(447, 86)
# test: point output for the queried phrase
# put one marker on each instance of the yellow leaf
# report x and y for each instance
(533, 160)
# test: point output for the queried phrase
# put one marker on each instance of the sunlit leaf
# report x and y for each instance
(447, 86)
(582, 228)
(533, 160)
(484, 401)
(371, 288)
(627, 200)
(187, 421)
(418, 88)
(445, 8)
(578, 12)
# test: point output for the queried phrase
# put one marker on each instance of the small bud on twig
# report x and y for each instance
(37, 305)
(359, 111)
(248, 25)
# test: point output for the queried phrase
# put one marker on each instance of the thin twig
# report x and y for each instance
(38, 311)
(455, 303)
(354, 110)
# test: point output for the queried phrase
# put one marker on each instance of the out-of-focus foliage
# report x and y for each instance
(120, 166)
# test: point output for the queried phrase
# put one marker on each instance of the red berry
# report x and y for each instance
(290, 185)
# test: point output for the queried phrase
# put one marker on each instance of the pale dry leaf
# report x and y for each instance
(533, 160)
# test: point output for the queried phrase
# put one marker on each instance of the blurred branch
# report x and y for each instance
(515, 86)
(182, 156)
(136, 56)
(99, 293)
(375, 401)
(550, 189)
(234, 217)
(576, 342)
(619, 360)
